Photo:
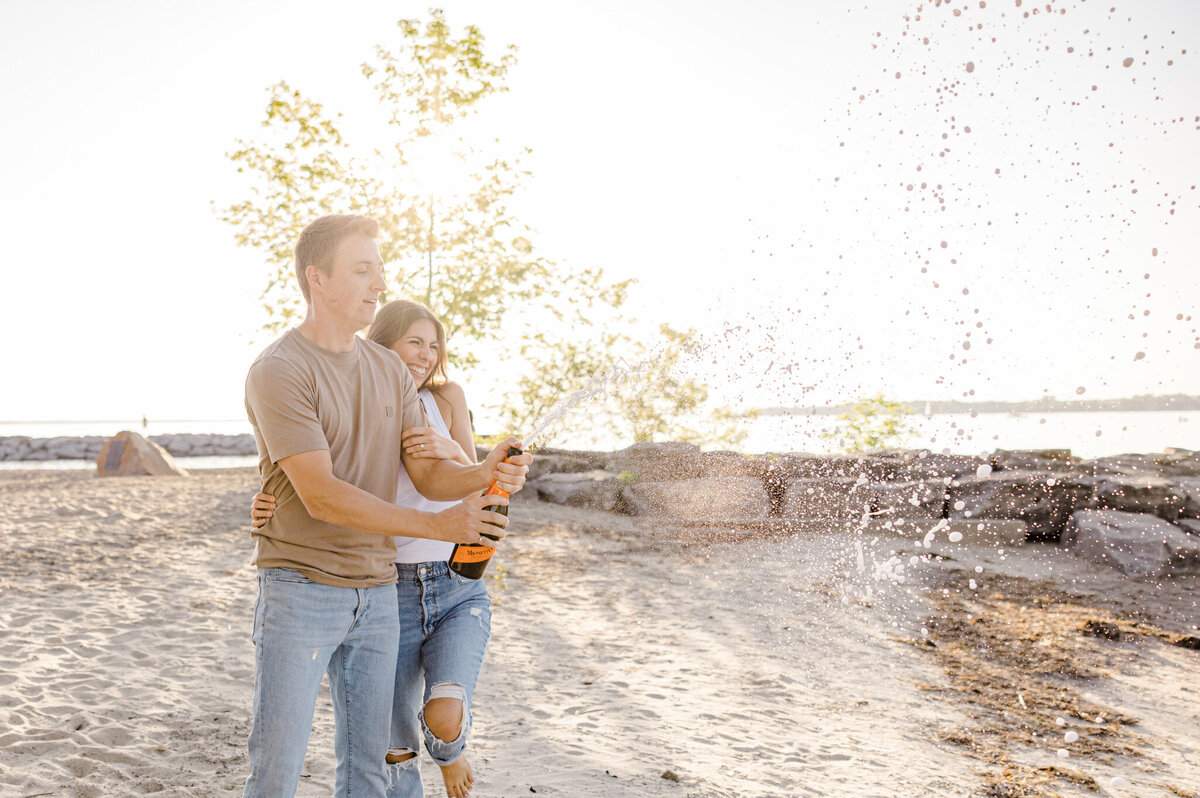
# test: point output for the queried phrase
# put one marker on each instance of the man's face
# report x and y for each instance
(350, 292)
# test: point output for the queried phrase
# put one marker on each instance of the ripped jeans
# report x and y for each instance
(445, 621)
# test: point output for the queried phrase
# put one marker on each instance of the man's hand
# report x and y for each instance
(510, 476)
(468, 522)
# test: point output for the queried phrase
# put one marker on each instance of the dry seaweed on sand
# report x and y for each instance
(1017, 658)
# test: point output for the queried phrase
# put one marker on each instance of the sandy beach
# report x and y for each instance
(628, 658)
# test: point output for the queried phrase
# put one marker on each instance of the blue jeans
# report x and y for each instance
(445, 621)
(302, 629)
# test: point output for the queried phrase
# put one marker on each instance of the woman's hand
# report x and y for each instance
(262, 509)
(428, 443)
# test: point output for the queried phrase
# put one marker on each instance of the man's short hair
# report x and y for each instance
(319, 241)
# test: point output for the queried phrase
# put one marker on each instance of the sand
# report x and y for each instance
(628, 658)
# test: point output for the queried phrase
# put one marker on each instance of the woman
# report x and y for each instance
(445, 620)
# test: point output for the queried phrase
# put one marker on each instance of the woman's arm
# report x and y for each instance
(452, 401)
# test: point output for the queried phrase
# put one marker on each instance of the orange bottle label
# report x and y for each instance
(465, 554)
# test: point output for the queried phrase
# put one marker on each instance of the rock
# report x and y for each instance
(1105, 629)
(594, 460)
(1188, 490)
(843, 498)
(1135, 544)
(129, 454)
(1179, 464)
(1033, 460)
(942, 467)
(544, 464)
(1144, 494)
(1161, 465)
(14, 447)
(598, 490)
(725, 499)
(658, 461)
(1043, 502)
(783, 468)
(1190, 525)
(731, 464)
(908, 499)
(935, 534)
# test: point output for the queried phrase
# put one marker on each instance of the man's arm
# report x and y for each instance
(447, 480)
(329, 499)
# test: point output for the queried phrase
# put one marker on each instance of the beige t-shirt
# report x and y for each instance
(302, 398)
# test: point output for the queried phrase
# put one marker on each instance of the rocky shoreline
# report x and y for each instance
(1139, 513)
(20, 448)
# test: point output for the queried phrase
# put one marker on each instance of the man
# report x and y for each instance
(328, 409)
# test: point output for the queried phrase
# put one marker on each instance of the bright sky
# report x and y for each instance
(773, 173)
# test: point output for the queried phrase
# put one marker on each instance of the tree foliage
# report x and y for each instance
(461, 251)
(871, 423)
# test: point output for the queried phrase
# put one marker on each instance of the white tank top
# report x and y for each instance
(422, 549)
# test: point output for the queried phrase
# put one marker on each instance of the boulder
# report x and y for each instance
(1190, 525)
(944, 536)
(1135, 544)
(1188, 491)
(908, 499)
(725, 499)
(1161, 465)
(943, 467)
(597, 490)
(657, 461)
(1144, 494)
(1043, 502)
(843, 498)
(544, 464)
(15, 447)
(731, 464)
(1179, 463)
(1033, 460)
(786, 467)
(129, 454)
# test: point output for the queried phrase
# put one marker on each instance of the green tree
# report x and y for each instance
(646, 392)
(452, 243)
(871, 423)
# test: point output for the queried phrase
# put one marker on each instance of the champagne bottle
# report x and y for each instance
(470, 560)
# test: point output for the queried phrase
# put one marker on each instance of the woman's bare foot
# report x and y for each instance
(459, 778)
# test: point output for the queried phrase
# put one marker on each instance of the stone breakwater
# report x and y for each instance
(1139, 513)
(21, 448)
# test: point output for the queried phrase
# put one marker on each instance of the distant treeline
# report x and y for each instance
(1047, 404)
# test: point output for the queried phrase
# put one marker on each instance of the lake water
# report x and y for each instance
(1085, 434)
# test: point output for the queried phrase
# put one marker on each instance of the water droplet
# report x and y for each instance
(1081, 390)
(1139, 356)
(1071, 736)
(983, 471)
(1063, 753)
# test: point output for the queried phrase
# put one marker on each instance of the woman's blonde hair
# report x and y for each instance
(392, 322)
